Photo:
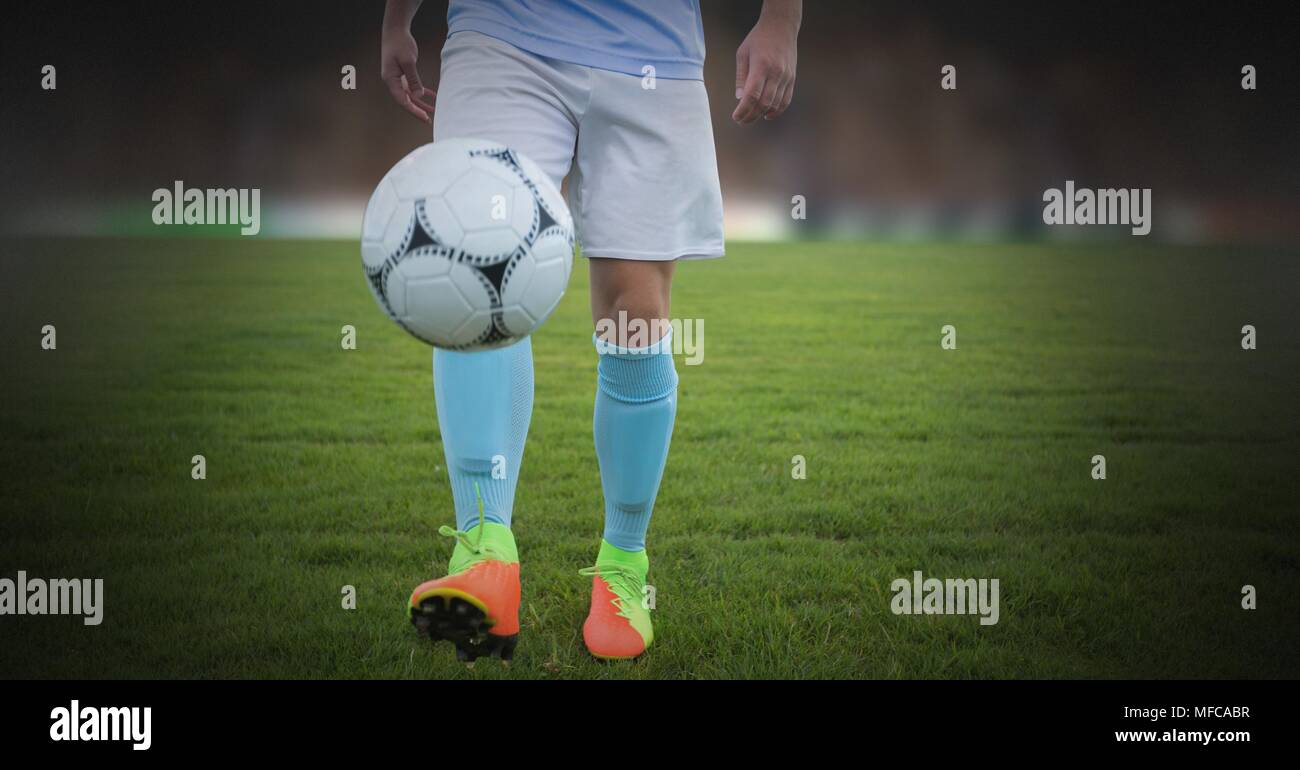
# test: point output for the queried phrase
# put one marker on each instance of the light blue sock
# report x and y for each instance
(636, 402)
(485, 401)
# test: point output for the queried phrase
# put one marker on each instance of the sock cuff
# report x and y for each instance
(663, 346)
(636, 375)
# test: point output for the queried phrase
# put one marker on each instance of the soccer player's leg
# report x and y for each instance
(489, 90)
(484, 404)
(636, 404)
(647, 196)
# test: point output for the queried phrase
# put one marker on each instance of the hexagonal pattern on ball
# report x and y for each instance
(547, 191)
(555, 246)
(411, 178)
(546, 289)
(517, 320)
(426, 262)
(440, 223)
(373, 254)
(433, 305)
(474, 199)
(476, 327)
(519, 275)
(523, 212)
(378, 212)
(397, 231)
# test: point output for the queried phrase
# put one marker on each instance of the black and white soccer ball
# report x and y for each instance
(467, 245)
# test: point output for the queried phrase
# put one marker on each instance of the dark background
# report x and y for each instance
(1106, 93)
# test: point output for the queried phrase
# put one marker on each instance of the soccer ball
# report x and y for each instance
(467, 245)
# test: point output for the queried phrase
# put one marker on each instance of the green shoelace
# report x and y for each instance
(622, 580)
(462, 537)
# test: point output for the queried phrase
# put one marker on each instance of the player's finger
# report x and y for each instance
(782, 101)
(752, 91)
(396, 88)
(756, 108)
(404, 99)
(413, 83)
(771, 97)
(742, 71)
(745, 110)
(416, 111)
(427, 101)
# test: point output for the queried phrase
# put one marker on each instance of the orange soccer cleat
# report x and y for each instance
(618, 625)
(476, 606)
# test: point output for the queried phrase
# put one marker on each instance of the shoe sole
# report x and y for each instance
(462, 620)
(614, 658)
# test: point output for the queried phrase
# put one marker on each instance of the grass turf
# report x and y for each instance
(324, 467)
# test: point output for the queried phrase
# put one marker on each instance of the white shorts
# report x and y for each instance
(644, 181)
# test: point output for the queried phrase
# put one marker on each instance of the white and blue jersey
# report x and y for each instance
(617, 35)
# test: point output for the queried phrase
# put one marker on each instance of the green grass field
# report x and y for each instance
(325, 467)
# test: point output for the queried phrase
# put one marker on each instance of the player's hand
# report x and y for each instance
(765, 63)
(397, 67)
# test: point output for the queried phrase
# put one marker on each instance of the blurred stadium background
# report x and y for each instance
(324, 467)
(1108, 94)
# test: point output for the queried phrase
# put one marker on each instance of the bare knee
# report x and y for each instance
(624, 291)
